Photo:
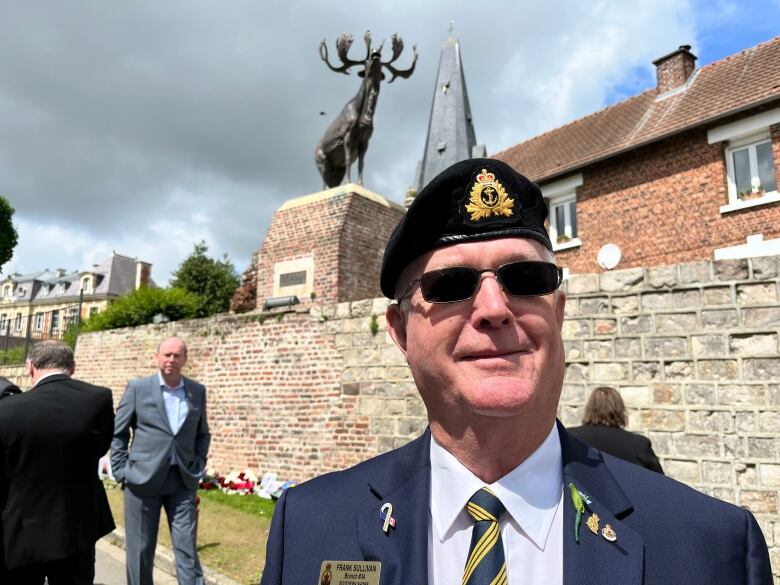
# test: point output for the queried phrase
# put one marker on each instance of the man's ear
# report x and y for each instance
(560, 306)
(396, 326)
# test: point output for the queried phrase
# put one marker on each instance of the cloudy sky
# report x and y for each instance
(144, 127)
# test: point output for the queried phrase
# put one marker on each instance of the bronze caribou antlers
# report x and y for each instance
(346, 139)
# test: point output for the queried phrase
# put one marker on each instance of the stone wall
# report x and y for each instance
(693, 349)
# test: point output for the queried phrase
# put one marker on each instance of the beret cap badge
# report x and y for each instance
(488, 198)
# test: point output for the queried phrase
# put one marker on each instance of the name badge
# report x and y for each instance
(350, 573)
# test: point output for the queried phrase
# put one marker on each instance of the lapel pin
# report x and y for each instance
(608, 533)
(593, 523)
(386, 514)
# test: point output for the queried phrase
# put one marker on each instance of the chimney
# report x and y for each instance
(674, 69)
(143, 274)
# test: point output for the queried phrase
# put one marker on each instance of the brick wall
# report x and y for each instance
(693, 349)
(661, 205)
(343, 229)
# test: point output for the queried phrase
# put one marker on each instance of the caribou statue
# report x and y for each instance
(346, 139)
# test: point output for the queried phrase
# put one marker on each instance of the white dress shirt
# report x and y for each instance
(531, 530)
(175, 403)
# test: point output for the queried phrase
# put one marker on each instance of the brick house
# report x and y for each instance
(687, 170)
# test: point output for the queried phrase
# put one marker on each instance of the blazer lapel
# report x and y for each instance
(403, 551)
(157, 398)
(193, 405)
(595, 560)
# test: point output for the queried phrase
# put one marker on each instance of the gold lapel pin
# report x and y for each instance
(608, 533)
(593, 523)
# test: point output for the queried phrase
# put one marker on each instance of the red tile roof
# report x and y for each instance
(738, 82)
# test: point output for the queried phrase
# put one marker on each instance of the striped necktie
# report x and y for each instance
(485, 564)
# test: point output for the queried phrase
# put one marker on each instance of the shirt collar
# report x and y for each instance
(531, 492)
(164, 386)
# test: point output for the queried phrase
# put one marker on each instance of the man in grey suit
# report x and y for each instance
(170, 440)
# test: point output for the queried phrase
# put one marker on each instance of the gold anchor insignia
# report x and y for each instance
(488, 198)
(593, 523)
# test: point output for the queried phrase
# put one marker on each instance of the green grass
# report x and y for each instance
(249, 504)
(14, 355)
(232, 531)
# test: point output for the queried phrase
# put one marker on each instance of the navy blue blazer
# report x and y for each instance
(667, 533)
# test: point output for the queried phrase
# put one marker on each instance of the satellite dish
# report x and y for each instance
(609, 256)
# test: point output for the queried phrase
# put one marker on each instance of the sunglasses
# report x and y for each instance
(459, 283)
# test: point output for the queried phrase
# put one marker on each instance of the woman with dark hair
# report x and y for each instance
(605, 417)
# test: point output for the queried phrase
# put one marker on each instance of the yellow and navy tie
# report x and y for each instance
(485, 564)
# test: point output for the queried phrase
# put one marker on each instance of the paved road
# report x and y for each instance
(110, 567)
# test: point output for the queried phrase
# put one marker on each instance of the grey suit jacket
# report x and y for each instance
(143, 465)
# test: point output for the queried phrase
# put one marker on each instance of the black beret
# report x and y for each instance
(474, 199)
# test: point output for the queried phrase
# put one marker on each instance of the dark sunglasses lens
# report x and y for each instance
(449, 284)
(529, 278)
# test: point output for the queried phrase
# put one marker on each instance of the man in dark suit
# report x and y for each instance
(53, 505)
(166, 413)
(602, 428)
(496, 491)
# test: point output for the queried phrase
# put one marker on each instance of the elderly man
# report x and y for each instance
(53, 505)
(166, 413)
(496, 491)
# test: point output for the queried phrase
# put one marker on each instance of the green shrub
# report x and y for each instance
(140, 307)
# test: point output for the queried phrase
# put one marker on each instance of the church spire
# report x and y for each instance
(451, 135)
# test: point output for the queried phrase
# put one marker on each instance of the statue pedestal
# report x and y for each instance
(325, 247)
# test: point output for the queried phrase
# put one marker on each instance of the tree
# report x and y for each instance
(214, 281)
(8, 235)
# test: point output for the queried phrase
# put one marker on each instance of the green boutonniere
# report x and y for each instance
(578, 499)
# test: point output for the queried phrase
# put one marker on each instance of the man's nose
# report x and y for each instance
(490, 303)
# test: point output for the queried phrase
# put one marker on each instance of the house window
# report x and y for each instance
(563, 220)
(86, 285)
(18, 322)
(561, 197)
(7, 291)
(750, 165)
(55, 321)
(3, 324)
(93, 311)
(71, 315)
(751, 169)
(62, 288)
(38, 321)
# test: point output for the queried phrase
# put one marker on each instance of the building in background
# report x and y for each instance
(687, 170)
(46, 302)
(451, 137)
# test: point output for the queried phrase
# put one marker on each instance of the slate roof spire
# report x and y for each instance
(451, 135)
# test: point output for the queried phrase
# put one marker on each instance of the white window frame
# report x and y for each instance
(750, 143)
(8, 291)
(86, 285)
(55, 324)
(18, 322)
(746, 132)
(562, 192)
(38, 322)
